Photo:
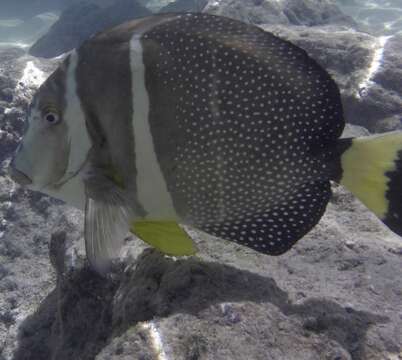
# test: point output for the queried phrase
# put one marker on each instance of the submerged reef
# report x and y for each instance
(336, 295)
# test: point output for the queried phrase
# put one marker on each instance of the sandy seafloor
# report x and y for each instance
(336, 295)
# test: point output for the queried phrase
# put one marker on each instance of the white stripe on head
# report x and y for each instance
(74, 117)
(73, 191)
(152, 190)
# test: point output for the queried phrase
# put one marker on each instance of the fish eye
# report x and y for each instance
(52, 118)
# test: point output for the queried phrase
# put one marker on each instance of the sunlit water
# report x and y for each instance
(24, 32)
(381, 17)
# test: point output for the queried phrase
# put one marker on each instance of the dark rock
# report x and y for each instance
(250, 11)
(349, 264)
(65, 309)
(390, 75)
(16, 121)
(292, 12)
(80, 21)
(313, 13)
(7, 95)
(7, 317)
(388, 124)
(177, 302)
(8, 285)
(6, 83)
(370, 110)
(348, 55)
(8, 144)
(397, 251)
(10, 249)
(3, 271)
(57, 251)
(185, 5)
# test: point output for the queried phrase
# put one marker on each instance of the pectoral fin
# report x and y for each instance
(166, 236)
(107, 221)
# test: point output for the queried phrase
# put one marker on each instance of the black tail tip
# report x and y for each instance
(394, 222)
(393, 217)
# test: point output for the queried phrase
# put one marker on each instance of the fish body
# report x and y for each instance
(199, 120)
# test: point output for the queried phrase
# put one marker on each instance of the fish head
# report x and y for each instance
(41, 158)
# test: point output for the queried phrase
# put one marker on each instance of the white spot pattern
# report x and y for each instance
(254, 113)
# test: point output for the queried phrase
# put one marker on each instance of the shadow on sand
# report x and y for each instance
(83, 314)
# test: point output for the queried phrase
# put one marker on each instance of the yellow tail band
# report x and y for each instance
(367, 166)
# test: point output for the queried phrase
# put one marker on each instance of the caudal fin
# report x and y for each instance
(372, 170)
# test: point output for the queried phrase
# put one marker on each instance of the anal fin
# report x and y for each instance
(166, 236)
(277, 229)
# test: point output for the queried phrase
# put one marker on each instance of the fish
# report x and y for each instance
(204, 121)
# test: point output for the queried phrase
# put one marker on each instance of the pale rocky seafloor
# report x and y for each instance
(336, 295)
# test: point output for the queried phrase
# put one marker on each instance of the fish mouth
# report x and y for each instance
(19, 177)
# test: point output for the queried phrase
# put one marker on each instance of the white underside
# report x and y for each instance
(152, 190)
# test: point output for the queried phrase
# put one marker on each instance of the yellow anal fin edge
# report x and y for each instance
(166, 236)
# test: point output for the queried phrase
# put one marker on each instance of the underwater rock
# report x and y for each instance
(228, 303)
(80, 21)
(90, 17)
(307, 305)
(292, 12)
(366, 68)
(184, 6)
(390, 76)
(313, 13)
(337, 295)
(20, 75)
